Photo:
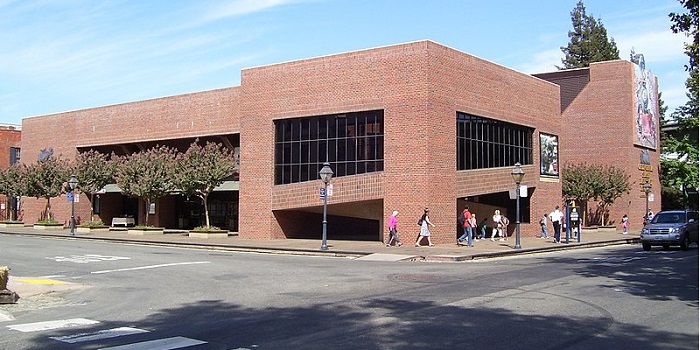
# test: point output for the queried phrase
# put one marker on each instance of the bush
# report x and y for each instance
(92, 224)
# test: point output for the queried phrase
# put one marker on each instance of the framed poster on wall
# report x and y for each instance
(549, 155)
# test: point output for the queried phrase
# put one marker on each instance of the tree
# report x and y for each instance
(615, 183)
(679, 143)
(94, 171)
(147, 174)
(13, 185)
(584, 182)
(579, 185)
(588, 41)
(201, 169)
(46, 179)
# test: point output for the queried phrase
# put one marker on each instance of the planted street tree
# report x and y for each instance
(13, 185)
(201, 169)
(614, 183)
(579, 185)
(94, 171)
(147, 175)
(46, 179)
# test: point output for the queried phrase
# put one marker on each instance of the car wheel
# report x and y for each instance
(646, 246)
(685, 242)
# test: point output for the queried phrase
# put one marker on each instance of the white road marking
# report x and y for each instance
(159, 344)
(151, 267)
(103, 334)
(48, 325)
(87, 258)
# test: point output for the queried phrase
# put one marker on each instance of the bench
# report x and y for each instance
(123, 222)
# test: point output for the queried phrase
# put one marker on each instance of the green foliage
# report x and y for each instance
(604, 183)
(207, 229)
(13, 184)
(147, 174)
(46, 179)
(201, 168)
(679, 139)
(94, 171)
(588, 41)
(92, 224)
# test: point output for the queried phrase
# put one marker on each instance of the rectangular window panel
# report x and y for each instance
(488, 143)
(302, 145)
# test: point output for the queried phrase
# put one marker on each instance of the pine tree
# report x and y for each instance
(588, 41)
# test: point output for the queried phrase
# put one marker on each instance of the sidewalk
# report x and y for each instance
(365, 250)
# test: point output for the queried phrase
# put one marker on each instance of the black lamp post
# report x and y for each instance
(326, 174)
(647, 189)
(72, 182)
(517, 173)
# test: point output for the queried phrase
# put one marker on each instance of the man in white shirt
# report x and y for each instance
(556, 217)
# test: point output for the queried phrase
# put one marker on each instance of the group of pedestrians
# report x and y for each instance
(555, 217)
(423, 222)
(473, 231)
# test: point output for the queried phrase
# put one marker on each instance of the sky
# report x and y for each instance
(64, 55)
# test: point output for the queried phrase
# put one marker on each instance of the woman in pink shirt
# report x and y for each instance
(393, 234)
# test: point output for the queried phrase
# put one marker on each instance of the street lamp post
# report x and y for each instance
(647, 189)
(72, 182)
(326, 174)
(517, 173)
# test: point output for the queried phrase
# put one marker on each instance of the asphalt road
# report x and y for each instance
(144, 297)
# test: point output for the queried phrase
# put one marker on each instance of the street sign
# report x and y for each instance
(322, 193)
(69, 196)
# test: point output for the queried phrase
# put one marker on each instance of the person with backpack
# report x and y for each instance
(465, 219)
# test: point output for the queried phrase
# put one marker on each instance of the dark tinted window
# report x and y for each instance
(353, 143)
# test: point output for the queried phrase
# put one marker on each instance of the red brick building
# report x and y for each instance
(404, 127)
(10, 141)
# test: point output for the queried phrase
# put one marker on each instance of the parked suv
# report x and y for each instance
(671, 227)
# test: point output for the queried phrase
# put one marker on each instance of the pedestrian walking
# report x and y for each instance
(466, 220)
(474, 228)
(425, 225)
(504, 228)
(625, 223)
(482, 228)
(496, 222)
(556, 217)
(393, 233)
(543, 227)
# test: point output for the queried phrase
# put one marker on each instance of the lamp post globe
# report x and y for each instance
(517, 173)
(72, 183)
(326, 175)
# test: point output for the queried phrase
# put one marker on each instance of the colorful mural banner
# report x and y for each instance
(646, 102)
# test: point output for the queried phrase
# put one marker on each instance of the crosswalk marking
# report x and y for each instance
(159, 344)
(103, 334)
(48, 325)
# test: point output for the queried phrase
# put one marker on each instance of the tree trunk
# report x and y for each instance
(47, 213)
(148, 209)
(206, 209)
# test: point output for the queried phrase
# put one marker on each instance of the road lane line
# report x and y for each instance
(49, 325)
(103, 334)
(159, 344)
(151, 267)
